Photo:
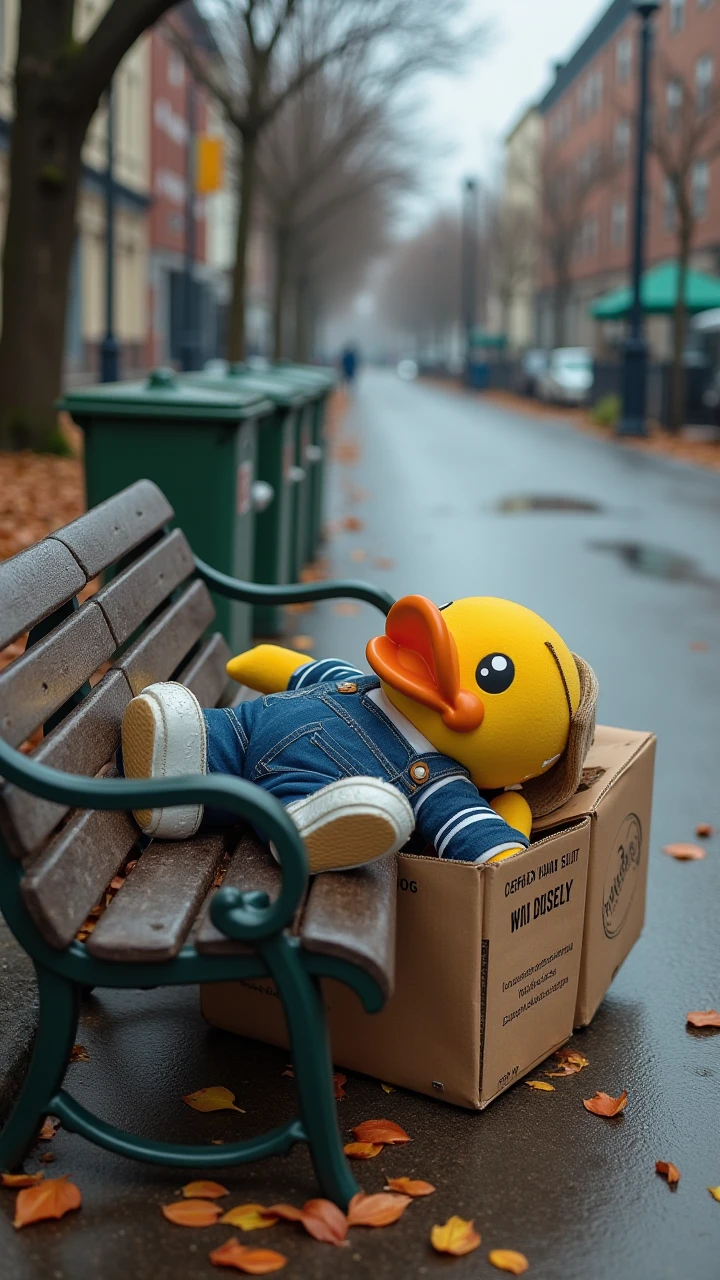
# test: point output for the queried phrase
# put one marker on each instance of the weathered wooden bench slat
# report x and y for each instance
(33, 584)
(161, 649)
(252, 867)
(205, 674)
(150, 917)
(69, 877)
(36, 685)
(133, 595)
(351, 915)
(114, 528)
(83, 743)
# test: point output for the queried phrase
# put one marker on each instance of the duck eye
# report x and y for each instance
(495, 673)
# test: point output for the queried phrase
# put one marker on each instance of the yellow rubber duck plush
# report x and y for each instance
(480, 696)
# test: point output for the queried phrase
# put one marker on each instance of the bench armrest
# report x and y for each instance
(253, 918)
(293, 593)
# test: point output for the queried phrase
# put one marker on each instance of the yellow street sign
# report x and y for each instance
(208, 164)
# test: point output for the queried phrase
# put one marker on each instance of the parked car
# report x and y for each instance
(568, 377)
(533, 364)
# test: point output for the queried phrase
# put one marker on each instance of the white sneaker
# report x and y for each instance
(351, 822)
(163, 736)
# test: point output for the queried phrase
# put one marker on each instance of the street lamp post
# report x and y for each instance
(635, 357)
(469, 266)
(109, 350)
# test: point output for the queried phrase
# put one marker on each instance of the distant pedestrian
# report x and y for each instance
(349, 364)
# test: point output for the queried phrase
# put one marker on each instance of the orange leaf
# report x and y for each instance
(603, 1105)
(362, 1150)
(542, 1085)
(456, 1237)
(21, 1179)
(204, 1191)
(253, 1262)
(323, 1220)
(380, 1131)
(353, 524)
(50, 1199)
(378, 1210)
(49, 1129)
(358, 555)
(668, 1170)
(47, 1158)
(704, 830)
(338, 1082)
(286, 1211)
(305, 644)
(79, 1053)
(412, 1187)
(685, 852)
(192, 1213)
(508, 1260)
(572, 1058)
(249, 1217)
(214, 1098)
(383, 562)
(708, 1018)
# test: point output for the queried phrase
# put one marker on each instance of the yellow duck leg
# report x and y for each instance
(266, 668)
(516, 811)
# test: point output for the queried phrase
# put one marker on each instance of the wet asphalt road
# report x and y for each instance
(631, 583)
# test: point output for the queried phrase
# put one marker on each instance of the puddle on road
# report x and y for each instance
(518, 502)
(657, 562)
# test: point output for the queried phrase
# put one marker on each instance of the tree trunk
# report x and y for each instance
(237, 338)
(677, 404)
(282, 255)
(560, 298)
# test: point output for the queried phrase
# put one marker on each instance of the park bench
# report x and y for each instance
(66, 829)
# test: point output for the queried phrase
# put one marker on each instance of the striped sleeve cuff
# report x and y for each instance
(318, 672)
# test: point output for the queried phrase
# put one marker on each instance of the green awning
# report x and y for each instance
(659, 294)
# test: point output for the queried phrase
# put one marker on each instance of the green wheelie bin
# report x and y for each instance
(320, 380)
(281, 524)
(200, 447)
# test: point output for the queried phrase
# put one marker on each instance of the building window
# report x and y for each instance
(618, 224)
(703, 82)
(586, 239)
(621, 141)
(590, 93)
(700, 188)
(175, 68)
(669, 218)
(674, 102)
(623, 60)
(677, 15)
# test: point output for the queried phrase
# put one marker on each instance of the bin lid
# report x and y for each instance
(323, 377)
(164, 394)
(282, 391)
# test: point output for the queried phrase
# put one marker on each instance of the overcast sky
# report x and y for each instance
(469, 115)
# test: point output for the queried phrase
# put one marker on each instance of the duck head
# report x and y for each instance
(488, 682)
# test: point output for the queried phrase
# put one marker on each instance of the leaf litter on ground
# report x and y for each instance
(191, 1213)
(602, 1104)
(215, 1098)
(379, 1210)
(668, 1170)
(703, 1018)
(51, 1198)
(252, 1262)
(457, 1236)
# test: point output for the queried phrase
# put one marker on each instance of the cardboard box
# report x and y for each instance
(490, 960)
(616, 795)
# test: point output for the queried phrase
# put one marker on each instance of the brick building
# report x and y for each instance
(588, 128)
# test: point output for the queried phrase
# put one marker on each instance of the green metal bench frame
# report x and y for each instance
(248, 917)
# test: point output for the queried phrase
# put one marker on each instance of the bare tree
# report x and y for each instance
(58, 83)
(261, 72)
(685, 137)
(421, 295)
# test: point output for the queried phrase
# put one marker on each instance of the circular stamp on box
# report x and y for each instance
(621, 876)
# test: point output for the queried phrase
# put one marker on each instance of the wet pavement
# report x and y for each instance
(454, 496)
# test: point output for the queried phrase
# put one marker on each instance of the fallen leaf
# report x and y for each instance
(324, 1221)
(540, 1084)
(47, 1157)
(249, 1217)
(286, 1211)
(387, 1088)
(218, 1142)
(253, 1262)
(50, 1199)
(383, 562)
(603, 1105)
(456, 1237)
(685, 852)
(289, 1071)
(573, 1058)
(79, 1053)
(706, 1018)
(714, 1192)
(353, 524)
(117, 882)
(668, 1170)
(699, 646)
(192, 1213)
(704, 830)
(358, 555)
(303, 643)
(508, 1260)
(380, 1131)
(204, 1191)
(49, 1129)
(378, 1210)
(345, 608)
(338, 1081)
(214, 1098)
(21, 1179)
(412, 1187)
(362, 1150)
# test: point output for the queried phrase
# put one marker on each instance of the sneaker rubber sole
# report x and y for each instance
(352, 822)
(163, 736)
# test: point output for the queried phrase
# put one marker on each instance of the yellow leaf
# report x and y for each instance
(214, 1098)
(456, 1237)
(714, 1192)
(540, 1084)
(508, 1260)
(362, 1150)
(387, 1088)
(249, 1217)
(204, 1191)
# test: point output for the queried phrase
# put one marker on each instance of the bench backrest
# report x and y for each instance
(83, 664)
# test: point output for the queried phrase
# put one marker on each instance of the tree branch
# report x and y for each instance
(89, 72)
